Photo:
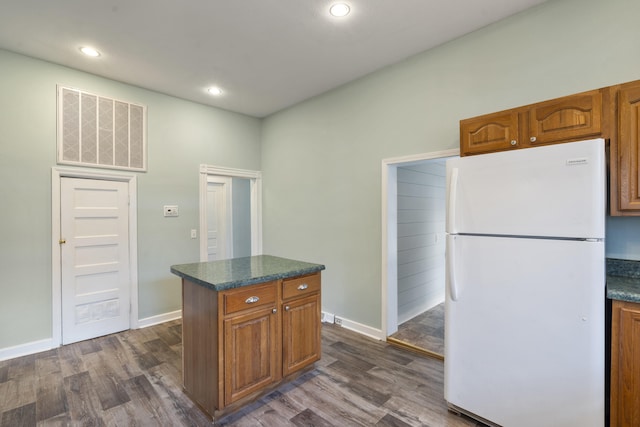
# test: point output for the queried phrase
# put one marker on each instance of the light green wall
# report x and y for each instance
(181, 136)
(321, 159)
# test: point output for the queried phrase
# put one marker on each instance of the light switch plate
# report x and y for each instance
(171, 210)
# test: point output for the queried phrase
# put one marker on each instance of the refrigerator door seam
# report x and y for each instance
(516, 236)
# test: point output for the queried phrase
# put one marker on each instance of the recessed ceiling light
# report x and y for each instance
(215, 91)
(89, 51)
(339, 10)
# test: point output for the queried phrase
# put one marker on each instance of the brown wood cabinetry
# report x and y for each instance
(570, 118)
(625, 364)
(489, 133)
(300, 323)
(240, 342)
(625, 152)
(250, 345)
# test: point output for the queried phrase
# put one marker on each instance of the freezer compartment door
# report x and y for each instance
(524, 337)
(555, 191)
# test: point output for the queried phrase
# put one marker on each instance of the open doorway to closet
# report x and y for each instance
(414, 212)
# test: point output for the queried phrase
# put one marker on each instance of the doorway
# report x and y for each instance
(414, 252)
(230, 213)
(94, 247)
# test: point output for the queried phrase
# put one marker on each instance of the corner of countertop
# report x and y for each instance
(623, 280)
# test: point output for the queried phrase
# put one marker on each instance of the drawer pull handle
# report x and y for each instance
(302, 287)
(252, 300)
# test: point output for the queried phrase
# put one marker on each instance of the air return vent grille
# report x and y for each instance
(100, 132)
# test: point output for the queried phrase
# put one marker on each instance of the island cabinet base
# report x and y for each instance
(199, 355)
(240, 343)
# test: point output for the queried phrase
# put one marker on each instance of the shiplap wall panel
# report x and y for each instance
(421, 242)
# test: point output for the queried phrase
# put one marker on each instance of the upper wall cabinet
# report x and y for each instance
(493, 132)
(564, 119)
(625, 153)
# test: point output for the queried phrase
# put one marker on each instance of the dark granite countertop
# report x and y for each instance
(237, 272)
(623, 280)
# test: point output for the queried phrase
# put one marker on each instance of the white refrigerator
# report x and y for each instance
(525, 299)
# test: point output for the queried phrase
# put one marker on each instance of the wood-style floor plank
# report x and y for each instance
(134, 378)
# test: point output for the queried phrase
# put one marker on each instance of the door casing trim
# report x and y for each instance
(56, 273)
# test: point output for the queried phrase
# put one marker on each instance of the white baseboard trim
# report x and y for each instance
(47, 344)
(26, 349)
(360, 328)
(160, 318)
(327, 317)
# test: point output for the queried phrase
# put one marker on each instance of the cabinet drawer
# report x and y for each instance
(300, 286)
(249, 297)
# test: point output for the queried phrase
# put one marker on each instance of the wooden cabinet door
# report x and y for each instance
(492, 132)
(250, 345)
(628, 149)
(565, 119)
(625, 364)
(300, 333)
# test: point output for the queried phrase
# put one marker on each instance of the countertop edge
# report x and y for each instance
(623, 288)
(252, 281)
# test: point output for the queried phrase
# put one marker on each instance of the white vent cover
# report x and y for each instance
(100, 132)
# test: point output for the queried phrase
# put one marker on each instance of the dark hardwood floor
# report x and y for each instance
(423, 332)
(134, 379)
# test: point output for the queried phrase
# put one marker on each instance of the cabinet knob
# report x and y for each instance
(514, 142)
(287, 308)
(302, 287)
(274, 311)
(533, 139)
(252, 300)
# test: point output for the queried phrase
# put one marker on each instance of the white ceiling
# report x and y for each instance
(265, 54)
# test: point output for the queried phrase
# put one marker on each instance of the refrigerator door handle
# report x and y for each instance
(453, 196)
(451, 267)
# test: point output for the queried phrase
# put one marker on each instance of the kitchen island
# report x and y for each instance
(248, 324)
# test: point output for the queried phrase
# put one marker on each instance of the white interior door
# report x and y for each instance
(95, 270)
(219, 226)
